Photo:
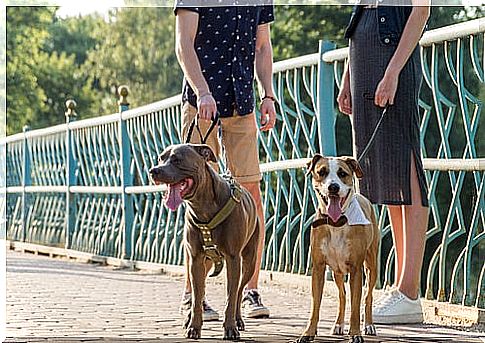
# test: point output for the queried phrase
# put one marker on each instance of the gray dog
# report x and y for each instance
(220, 223)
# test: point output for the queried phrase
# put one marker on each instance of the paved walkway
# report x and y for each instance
(56, 300)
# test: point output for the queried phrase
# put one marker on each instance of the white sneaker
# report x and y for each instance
(386, 293)
(396, 308)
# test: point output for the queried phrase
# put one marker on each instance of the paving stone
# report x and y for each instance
(59, 300)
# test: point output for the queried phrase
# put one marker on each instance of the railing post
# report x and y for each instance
(126, 177)
(26, 181)
(325, 100)
(71, 168)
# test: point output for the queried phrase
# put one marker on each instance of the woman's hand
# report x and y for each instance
(386, 90)
(344, 98)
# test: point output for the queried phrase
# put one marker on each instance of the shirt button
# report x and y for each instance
(237, 37)
(386, 40)
(239, 16)
(383, 19)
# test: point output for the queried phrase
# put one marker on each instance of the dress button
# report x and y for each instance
(386, 40)
(383, 19)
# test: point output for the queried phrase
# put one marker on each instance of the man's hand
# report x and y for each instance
(268, 114)
(206, 106)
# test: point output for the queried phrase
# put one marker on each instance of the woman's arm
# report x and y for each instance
(386, 90)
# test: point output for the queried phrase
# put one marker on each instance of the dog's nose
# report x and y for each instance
(333, 188)
(154, 171)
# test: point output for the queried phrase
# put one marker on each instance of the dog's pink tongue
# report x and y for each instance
(334, 210)
(173, 198)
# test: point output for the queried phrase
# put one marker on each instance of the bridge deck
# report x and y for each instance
(56, 300)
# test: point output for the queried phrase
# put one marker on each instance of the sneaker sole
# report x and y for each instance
(416, 318)
(214, 317)
(205, 316)
(258, 313)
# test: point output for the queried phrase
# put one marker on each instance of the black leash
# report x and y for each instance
(374, 133)
(195, 123)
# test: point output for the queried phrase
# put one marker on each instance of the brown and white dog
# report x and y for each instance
(344, 236)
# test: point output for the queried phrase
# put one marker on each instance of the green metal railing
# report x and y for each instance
(84, 185)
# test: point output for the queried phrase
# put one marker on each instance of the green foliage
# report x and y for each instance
(27, 29)
(297, 29)
(136, 49)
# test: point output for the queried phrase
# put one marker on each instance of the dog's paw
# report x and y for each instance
(338, 330)
(304, 339)
(231, 334)
(356, 339)
(370, 330)
(192, 333)
(240, 324)
(186, 321)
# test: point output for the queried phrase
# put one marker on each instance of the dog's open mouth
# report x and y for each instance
(333, 204)
(176, 193)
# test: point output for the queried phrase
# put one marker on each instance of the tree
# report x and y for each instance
(27, 29)
(136, 49)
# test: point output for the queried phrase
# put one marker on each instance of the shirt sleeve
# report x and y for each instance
(185, 5)
(266, 15)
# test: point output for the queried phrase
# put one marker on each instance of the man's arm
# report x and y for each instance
(186, 29)
(264, 73)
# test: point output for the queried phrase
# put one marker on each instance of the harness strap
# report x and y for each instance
(210, 248)
(195, 123)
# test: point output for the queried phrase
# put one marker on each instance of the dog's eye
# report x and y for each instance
(323, 172)
(175, 160)
(341, 174)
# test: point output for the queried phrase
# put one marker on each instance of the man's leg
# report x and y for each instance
(240, 141)
(255, 191)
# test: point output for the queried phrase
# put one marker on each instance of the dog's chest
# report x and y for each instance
(337, 250)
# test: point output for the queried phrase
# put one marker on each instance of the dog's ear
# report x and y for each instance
(354, 165)
(205, 151)
(311, 164)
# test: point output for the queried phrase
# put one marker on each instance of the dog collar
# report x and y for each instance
(324, 219)
(210, 249)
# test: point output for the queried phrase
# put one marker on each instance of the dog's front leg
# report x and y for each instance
(197, 279)
(233, 276)
(338, 328)
(355, 298)
(318, 280)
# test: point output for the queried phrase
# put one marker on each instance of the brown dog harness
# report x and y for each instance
(210, 248)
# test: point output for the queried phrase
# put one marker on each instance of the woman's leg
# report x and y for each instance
(415, 226)
(396, 216)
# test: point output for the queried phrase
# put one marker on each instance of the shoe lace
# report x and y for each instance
(254, 298)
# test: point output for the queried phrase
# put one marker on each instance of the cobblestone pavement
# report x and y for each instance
(57, 300)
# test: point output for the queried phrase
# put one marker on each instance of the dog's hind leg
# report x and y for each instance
(233, 278)
(338, 328)
(370, 264)
(197, 277)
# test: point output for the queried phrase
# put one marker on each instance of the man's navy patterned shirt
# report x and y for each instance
(225, 45)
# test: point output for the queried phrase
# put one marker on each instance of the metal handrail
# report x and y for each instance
(434, 36)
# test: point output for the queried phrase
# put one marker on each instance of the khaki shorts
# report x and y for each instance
(240, 140)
